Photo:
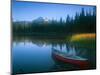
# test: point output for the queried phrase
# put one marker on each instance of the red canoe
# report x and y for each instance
(76, 60)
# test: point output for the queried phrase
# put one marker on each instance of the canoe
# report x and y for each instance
(76, 60)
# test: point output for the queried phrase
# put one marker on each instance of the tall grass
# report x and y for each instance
(84, 40)
(83, 37)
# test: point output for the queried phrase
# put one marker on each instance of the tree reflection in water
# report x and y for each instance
(59, 43)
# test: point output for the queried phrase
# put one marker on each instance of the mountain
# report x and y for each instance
(39, 20)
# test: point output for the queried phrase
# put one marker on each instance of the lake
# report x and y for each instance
(32, 55)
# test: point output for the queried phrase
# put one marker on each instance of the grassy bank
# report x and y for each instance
(84, 40)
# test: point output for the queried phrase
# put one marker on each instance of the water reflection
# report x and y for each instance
(35, 54)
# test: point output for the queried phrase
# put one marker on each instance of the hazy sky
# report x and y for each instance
(28, 11)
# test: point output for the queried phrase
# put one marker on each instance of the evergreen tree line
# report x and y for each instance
(83, 22)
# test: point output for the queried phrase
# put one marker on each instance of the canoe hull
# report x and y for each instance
(83, 64)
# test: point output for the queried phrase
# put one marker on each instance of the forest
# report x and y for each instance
(83, 22)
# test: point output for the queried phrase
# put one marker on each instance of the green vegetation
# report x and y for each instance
(84, 40)
(84, 22)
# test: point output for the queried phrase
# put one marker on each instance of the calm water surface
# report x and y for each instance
(31, 55)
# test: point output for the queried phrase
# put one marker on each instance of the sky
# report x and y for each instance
(28, 11)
